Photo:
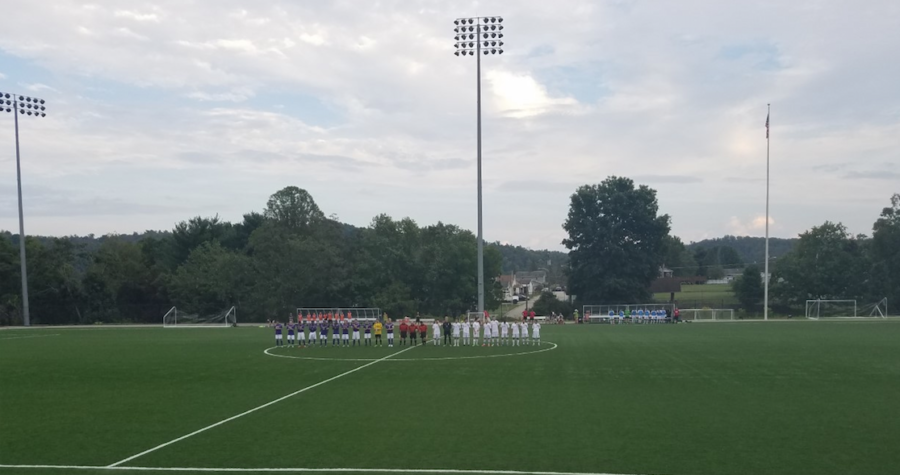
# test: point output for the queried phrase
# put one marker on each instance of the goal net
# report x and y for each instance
(635, 313)
(362, 314)
(816, 309)
(705, 314)
(180, 319)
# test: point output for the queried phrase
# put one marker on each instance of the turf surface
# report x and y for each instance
(727, 398)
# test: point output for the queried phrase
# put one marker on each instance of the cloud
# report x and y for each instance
(752, 227)
(164, 100)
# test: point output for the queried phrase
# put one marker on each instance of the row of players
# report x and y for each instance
(457, 333)
(640, 315)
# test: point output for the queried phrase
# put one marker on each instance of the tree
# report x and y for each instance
(615, 241)
(212, 279)
(547, 303)
(678, 258)
(886, 253)
(293, 208)
(827, 263)
(749, 288)
(189, 235)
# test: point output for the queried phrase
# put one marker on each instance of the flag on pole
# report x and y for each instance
(767, 125)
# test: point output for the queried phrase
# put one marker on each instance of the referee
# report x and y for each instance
(446, 328)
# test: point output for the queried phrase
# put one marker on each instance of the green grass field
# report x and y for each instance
(693, 399)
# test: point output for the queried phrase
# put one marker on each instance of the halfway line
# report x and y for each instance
(254, 409)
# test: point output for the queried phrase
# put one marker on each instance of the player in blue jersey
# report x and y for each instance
(278, 327)
(367, 328)
(323, 333)
(389, 328)
(335, 332)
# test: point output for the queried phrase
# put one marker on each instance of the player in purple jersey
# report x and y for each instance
(367, 328)
(278, 328)
(290, 330)
(323, 333)
(345, 327)
(356, 332)
(335, 333)
(389, 328)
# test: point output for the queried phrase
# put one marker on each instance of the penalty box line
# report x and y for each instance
(304, 470)
(120, 462)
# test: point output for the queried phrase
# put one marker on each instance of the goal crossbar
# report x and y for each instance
(828, 308)
(175, 318)
(358, 313)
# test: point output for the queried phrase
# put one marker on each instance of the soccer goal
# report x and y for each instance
(178, 319)
(817, 309)
(706, 314)
(362, 314)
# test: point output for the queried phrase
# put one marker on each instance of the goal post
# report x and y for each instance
(706, 314)
(817, 309)
(178, 319)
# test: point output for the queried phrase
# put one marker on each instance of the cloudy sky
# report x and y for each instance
(163, 110)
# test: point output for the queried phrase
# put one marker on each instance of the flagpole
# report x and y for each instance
(766, 278)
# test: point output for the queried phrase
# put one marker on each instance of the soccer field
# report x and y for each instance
(694, 399)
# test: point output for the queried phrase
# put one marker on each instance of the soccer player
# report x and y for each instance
(465, 332)
(313, 332)
(377, 327)
(487, 333)
(536, 332)
(515, 333)
(523, 329)
(278, 328)
(476, 327)
(301, 332)
(436, 332)
(368, 331)
(447, 328)
(412, 333)
(504, 332)
(335, 332)
(532, 314)
(389, 328)
(495, 332)
(423, 332)
(403, 329)
(345, 326)
(290, 328)
(323, 332)
(356, 341)
(455, 326)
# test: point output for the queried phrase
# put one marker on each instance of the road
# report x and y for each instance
(516, 311)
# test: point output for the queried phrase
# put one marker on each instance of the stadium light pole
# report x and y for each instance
(476, 36)
(30, 106)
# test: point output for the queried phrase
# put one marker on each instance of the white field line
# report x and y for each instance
(28, 336)
(116, 464)
(400, 360)
(303, 470)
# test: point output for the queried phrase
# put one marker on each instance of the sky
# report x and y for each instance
(159, 111)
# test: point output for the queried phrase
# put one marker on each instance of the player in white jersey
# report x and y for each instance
(536, 333)
(475, 328)
(523, 329)
(504, 333)
(436, 332)
(515, 333)
(487, 334)
(465, 332)
(455, 326)
(495, 333)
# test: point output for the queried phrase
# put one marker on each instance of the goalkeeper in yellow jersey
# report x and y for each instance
(376, 328)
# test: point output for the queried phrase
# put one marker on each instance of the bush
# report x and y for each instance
(548, 303)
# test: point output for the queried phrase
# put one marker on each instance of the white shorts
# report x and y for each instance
(313, 335)
(465, 335)
(356, 335)
(346, 336)
(323, 336)
(301, 337)
(390, 336)
(536, 336)
(290, 337)
(368, 336)
(456, 335)
(277, 337)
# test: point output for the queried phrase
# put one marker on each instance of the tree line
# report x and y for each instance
(268, 264)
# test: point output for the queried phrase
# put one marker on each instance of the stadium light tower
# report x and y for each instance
(32, 107)
(476, 36)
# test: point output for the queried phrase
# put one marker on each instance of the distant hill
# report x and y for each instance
(751, 249)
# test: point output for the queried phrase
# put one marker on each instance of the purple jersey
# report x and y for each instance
(323, 328)
(278, 328)
(336, 328)
(368, 327)
(389, 327)
(356, 326)
(291, 328)
(346, 328)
